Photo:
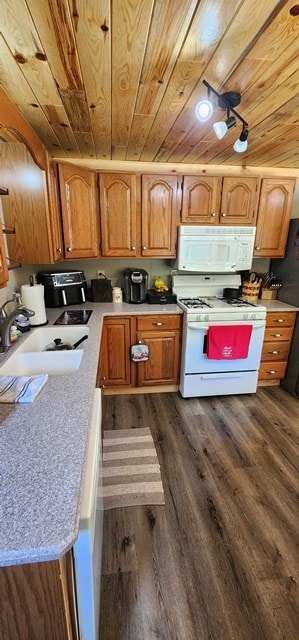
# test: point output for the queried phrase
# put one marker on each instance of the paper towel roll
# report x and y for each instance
(33, 298)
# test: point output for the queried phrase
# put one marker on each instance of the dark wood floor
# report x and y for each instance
(220, 561)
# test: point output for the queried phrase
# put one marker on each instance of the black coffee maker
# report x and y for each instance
(135, 285)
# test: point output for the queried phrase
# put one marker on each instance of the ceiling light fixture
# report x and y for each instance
(222, 127)
(204, 110)
(227, 101)
(241, 144)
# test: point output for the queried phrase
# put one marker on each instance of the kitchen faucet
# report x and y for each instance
(7, 320)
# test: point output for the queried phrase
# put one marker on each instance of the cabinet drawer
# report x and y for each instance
(275, 351)
(154, 323)
(278, 319)
(278, 334)
(272, 370)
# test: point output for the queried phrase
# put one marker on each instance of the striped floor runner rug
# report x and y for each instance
(130, 474)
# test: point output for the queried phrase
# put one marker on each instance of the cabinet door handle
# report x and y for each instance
(144, 248)
(69, 249)
(133, 248)
(257, 248)
(223, 215)
(59, 250)
(213, 215)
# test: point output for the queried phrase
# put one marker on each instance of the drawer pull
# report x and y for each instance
(274, 352)
(271, 372)
(280, 320)
(158, 324)
(276, 335)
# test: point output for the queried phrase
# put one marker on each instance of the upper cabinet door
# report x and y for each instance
(79, 212)
(119, 200)
(201, 199)
(274, 217)
(160, 215)
(25, 208)
(55, 217)
(239, 201)
(3, 261)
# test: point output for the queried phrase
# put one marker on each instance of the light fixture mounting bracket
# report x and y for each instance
(229, 100)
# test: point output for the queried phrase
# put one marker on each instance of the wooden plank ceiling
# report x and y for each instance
(119, 79)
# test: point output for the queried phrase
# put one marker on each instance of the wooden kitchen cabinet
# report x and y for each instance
(119, 213)
(277, 341)
(37, 601)
(26, 207)
(215, 200)
(3, 261)
(79, 211)
(273, 217)
(57, 244)
(114, 363)
(162, 334)
(161, 197)
(139, 215)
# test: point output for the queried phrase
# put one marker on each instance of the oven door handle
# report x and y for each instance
(199, 327)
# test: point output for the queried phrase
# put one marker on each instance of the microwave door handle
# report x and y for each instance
(83, 295)
(63, 297)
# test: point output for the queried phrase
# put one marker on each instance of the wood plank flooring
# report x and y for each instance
(220, 561)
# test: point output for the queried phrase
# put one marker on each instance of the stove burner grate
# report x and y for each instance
(238, 302)
(195, 303)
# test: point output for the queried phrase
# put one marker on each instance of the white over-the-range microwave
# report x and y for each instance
(214, 249)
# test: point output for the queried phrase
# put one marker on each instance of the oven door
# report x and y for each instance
(202, 376)
(194, 356)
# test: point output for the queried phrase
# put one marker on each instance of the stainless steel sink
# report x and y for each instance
(30, 358)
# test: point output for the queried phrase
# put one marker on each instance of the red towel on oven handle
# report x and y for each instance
(228, 342)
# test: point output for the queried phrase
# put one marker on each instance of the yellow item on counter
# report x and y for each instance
(159, 285)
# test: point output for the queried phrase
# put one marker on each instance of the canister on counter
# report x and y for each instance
(117, 295)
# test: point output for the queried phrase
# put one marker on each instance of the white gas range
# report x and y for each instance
(222, 338)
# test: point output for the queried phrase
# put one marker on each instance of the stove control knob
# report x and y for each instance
(253, 316)
(206, 318)
(198, 318)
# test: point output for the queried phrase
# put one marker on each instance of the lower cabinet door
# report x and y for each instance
(162, 367)
(114, 364)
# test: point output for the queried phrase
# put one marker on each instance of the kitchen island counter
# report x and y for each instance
(43, 448)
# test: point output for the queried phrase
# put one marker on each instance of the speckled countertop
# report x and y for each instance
(277, 305)
(43, 451)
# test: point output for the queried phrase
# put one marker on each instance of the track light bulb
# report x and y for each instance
(204, 110)
(221, 127)
(241, 143)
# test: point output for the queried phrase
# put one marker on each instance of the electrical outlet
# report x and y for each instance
(101, 272)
